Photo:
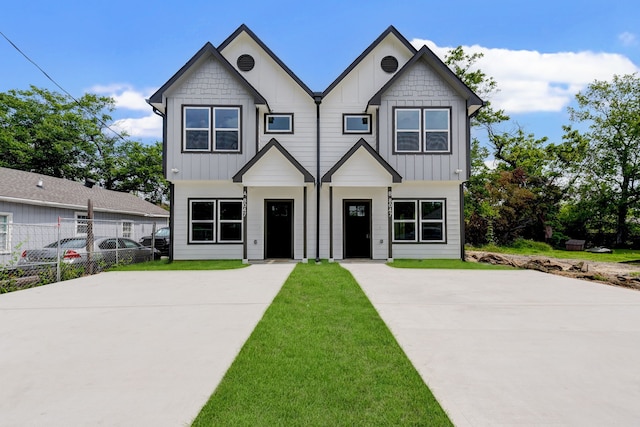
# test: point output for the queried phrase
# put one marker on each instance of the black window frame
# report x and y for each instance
(212, 129)
(418, 221)
(216, 222)
(422, 131)
(266, 123)
(345, 131)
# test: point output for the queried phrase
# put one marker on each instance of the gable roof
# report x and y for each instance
(18, 186)
(376, 42)
(156, 99)
(395, 176)
(273, 144)
(245, 29)
(473, 101)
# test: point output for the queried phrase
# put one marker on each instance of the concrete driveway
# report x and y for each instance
(126, 348)
(507, 348)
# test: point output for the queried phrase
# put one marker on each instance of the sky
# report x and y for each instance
(541, 53)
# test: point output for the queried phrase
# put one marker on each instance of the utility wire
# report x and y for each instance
(60, 87)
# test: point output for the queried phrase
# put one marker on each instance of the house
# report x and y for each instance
(35, 208)
(260, 166)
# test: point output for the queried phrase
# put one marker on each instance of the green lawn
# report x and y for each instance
(321, 356)
(451, 264)
(181, 265)
(618, 255)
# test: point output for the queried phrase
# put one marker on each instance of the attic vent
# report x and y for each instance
(389, 64)
(246, 62)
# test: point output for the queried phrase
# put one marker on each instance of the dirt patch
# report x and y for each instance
(612, 273)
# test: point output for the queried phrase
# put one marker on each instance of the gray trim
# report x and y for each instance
(272, 144)
(462, 224)
(172, 208)
(396, 178)
(304, 222)
(389, 223)
(208, 48)
(441, 68)
(330, 222)
(318, 100)
(244, 28)
(376, 42)
(245, 214)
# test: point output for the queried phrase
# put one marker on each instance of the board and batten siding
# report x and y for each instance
(208, 84)
(201, 190)
(351, 95)
(422, 87)
(283, 94)
(450, 191)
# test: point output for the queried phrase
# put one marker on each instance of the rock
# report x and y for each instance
(543, 264)
(495, 259)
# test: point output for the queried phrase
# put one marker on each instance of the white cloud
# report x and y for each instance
(125, 96)
(627, 38)
(530, 81)
(144, 127)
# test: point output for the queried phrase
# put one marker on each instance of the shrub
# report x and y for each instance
(530, 244)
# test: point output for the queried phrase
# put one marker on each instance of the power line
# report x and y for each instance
(60, 87)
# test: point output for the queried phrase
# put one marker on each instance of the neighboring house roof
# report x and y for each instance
(208, 49)
(244, 28)
(22, 187)
(473, 101)
(273, 144)
(395, 176)
(376, 42)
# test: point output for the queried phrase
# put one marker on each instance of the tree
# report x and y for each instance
(609, 170)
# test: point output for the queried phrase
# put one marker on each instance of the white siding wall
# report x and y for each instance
(199, 189)
(450, 191)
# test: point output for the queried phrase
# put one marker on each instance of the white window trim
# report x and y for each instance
(442, 221)
(266, 123)
(419, 130)
(212, 221)
(426, 131)
(131, 229)
(414, 221)
(185, 129)
(345, 130)
(79, 216)
(9, 216)
(216, 129)
(229, 221)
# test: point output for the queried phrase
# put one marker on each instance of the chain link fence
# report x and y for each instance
(37, 254)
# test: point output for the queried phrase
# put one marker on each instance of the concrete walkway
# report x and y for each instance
(515, 348)
(126, 348)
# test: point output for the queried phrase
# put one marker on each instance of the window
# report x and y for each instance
(5, 232)
(215, 221)
(211, 128)
(82, 223)
(127, 229)
(356, 123)
(419, 221)
(422, 130)
(278, 123)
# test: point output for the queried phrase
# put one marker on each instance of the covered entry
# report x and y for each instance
(357, 228)
(278, 228)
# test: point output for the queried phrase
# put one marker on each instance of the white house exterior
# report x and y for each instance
(262, 167)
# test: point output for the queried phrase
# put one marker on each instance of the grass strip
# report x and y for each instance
(321, 356)
(181, 265)
(618, 255)
(449, 264)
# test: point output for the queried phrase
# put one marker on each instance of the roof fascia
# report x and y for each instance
(396, 177)
(376, 42)
(273, 144)
(244, 28)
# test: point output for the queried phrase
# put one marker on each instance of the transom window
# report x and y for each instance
(356, 123)
(422, 130)
(278, 123)
(419, 221)
(215, 221)
(212, 129)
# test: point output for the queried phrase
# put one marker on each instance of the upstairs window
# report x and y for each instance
(212, 129)
(278, 123)
(422, 130)
(356, 123)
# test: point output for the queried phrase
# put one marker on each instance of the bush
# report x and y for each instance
(530, 244)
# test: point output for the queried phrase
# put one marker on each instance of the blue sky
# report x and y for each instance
(540, 53)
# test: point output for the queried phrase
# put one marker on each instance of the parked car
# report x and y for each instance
(107, 251)
(162, 240)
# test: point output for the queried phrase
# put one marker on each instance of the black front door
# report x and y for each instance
(279, 229)
(357, 229)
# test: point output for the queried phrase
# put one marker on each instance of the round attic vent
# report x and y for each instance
(246, 62)
(389, 64)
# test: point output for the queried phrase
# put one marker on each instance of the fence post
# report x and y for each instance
(58, 267)
(153, 239)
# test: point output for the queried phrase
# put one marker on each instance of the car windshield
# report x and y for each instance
(69, 243)
(163, 232)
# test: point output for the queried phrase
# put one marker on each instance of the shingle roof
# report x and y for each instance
(22, 187)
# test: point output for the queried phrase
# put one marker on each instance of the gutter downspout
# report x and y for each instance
(318, 100)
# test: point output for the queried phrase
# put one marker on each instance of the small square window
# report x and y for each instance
(356, 123)
(278, 123)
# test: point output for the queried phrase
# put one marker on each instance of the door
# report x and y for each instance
(278, 229)
(357, 228)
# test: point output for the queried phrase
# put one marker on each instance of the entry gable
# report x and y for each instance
(362, 166)
(273, 165)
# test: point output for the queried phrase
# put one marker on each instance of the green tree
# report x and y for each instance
(608, 171)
